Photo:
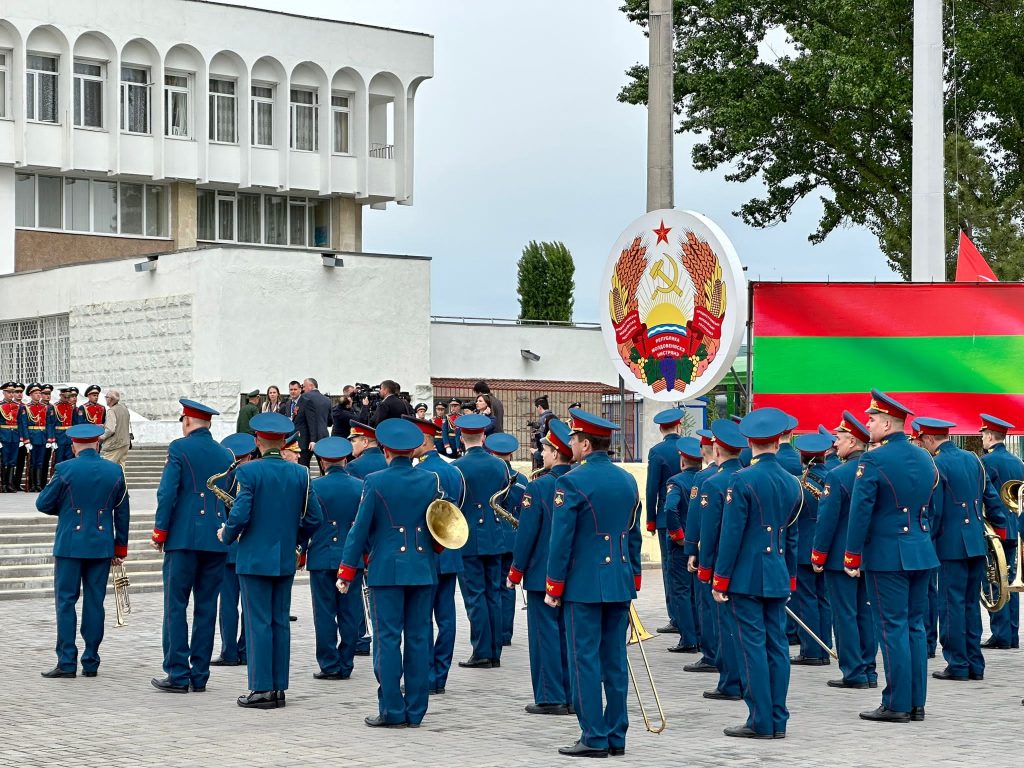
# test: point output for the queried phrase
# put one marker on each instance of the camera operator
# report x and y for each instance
(391, 405)
(341, 417)
(540, 428)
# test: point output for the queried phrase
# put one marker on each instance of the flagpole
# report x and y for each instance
(927, 237)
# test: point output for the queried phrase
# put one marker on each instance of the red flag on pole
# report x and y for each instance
(971, 266)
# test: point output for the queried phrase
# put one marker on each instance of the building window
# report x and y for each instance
(248, 218)
(156, 211)
(49, 195)
(228, 217)
(176, 117)
(304, 124)
(76, 205)
(24, 200)
(4, 58)
(88, 94)
(41, 88)
(276, 221)
(104, 207)
(262, 116)
(206, 214)
(340, 111)
(222, 111)
(36, 349)
(134, 100)
(131, 209)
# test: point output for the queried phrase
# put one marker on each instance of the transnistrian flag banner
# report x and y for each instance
(945, 350)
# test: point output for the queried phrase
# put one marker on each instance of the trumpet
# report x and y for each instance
(637, 635)
(122, 601)
(211, 483)
(499, 510)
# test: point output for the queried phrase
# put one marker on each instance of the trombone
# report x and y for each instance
(122, 601)
(637, 635)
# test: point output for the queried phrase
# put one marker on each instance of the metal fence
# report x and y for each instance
(35, 349)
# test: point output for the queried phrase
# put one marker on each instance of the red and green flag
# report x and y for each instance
(946, 350)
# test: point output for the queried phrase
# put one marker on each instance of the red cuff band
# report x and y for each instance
(120, 551)
(346, 572)
(850, 560)
(515, 575)
(554, 588)
(677, 534)
(703, 574)
(300, 561)
(366, 558)
(636, 581)
(792, 583)
(159, 536)
(1000, 532)
(720, 583)
(438, 548)
(818, 558)
(650, 526)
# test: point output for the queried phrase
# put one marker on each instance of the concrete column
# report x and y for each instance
(346, 225)
(183, 214)
(659, 108)
(6, 220)
(927, 241)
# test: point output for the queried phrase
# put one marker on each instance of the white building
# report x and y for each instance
(130, 127)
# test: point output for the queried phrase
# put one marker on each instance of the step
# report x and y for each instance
(141, 581)
(45, 568)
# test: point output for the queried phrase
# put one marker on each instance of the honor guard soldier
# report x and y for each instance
(451, 435)
(848, 598)
(40, 435)
(755, 572)
(594, 570)
(1002, 466)
(958, 530)
(809, 601)
(367, 456)
(188, 515)
(701, 591)
(91, 412)
(889, 543)
(24, 448)
(274, 511)
(504, 445)
(663, 463)
(831, 455)
(232, 634)
(728, 443)
(674, 507)
(449, 561)
(63, 413)
(335, 616)
(11, 437)
(549, 671)
(401, 574)
(90, 500)
(482, 580)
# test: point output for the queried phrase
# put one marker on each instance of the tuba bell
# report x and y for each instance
(1012, 494)
(995, 588)
(446, 522)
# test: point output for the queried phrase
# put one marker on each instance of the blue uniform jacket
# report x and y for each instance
(187, 513)
(594, 554)
(450, 560)
(958, 529)
(230, 484)
(678, 489)
(391, 525)
(757, 546)
(512, 504)
(829, 543)
(89, 497)
(274, 511)
(691, 525)
(888, 528)
(817, 476)
(370, 460)
(338, 493)
(1001, 466)
(530, 558)
(832, 461)
(789, 459)
(662, 463)
(712, 503)
(484, 475)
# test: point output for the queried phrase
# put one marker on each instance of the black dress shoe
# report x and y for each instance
(808, 661)
(293, 618)
(975, 676)
(88, 673)
(917, 714)
(872, 683)
(379, 722)
(506, 643)
(743, 732)
(947, 674)
(700, 666)
(668, 629)
(883, 715)
(995, 645)
(547, 709)
(931, 654)
(166, 686)
(435, 691)
(196, 688)
(330, 676)
(717, 695)
(279, 695)
(617, 751)
(259, 700)
(846, 684)
(680, 648)
(572, 709)
(779, 735)
(579, 749)
(794, 640)
(58, 672)
(474, 663)
(495, 663)
(222, 662)
(362, 652)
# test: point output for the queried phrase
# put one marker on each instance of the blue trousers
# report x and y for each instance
(595, 635)
(232, 640)
(402, 613)
(664, 545)
(335, 620)
(856, 643)
(932, 618)
(960, 615)
(37, 439)
(508, 602)
(190, 573)
(728, 651)
(444, 639)
(73, 576)
(549, 663)
(899, 600)
(363, 643)
(708, 622)
(480, 582)
(1005, 624)
(760, 625)
(811, 605)
(266, 602)
(680, 591)
(9, 442)
(63, 448)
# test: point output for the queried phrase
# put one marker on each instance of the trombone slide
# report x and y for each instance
(637, 634)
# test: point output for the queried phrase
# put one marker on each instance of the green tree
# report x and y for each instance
(829, 112)
(546, 282)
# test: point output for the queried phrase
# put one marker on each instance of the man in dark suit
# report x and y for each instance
(312, 417)
(391, 405)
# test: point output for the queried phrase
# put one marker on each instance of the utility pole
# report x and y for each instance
(659, 107)
(927, 232)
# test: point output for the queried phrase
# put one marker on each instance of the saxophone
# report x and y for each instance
(221, 494)
(499, 510)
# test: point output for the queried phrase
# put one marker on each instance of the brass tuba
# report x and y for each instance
(1012, 494)
(995, 588)
(211, 483)
(446, 522)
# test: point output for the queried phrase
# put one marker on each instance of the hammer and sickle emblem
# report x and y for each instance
(671, 283)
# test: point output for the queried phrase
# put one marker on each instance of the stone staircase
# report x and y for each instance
(146, 462)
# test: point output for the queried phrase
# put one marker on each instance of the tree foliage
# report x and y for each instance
(814, 97)
(546, 282)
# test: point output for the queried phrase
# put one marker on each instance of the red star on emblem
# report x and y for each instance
(662, 233)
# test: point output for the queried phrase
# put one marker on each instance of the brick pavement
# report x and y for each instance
(118, 719)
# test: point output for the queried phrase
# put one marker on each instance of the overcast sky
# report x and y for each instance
(519, 137)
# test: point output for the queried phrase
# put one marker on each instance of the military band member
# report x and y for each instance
(1002, 466)
(367, 456)
(832, 459)
(482, 581)
(91, 412)
(90, 500)
(449, 561)
(705, 604)
(12, 436)
(889, 544)
(40, 435)
(63, 413)
(932, 617)
(274, 511)
(188, 516)
(232, 638)
(401, 574)
(335, 615)
(728, 443)
(674, 508)
(958, 531)
(594, 572)
(787, 455)
(856, 643)
(504, 445)
(663, 463)
(549, 671)
(810, 602)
